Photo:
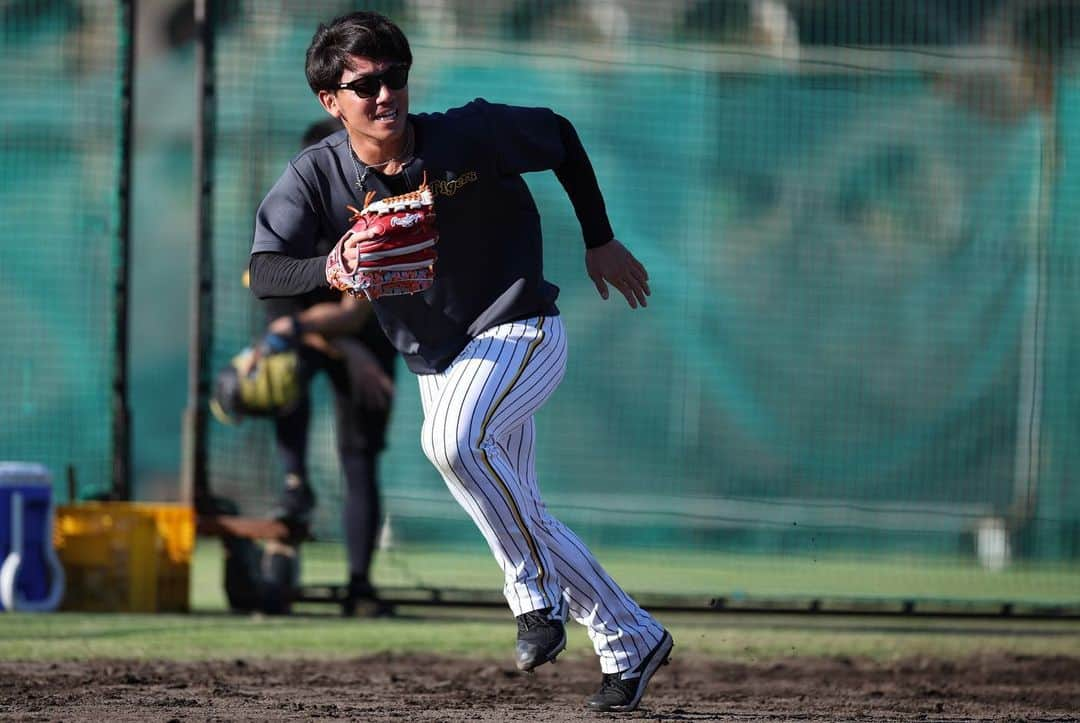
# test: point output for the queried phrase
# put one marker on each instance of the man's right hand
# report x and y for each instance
(350, 243)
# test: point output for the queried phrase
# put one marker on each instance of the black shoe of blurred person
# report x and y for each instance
(295, 507)
(540, 639)
(362, 601)
(621, 692)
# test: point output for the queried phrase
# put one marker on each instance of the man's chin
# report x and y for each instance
(383, 134)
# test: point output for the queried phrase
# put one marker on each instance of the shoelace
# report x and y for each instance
(530, 620)
(613, 683)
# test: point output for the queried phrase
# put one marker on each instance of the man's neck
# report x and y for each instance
(382, 155)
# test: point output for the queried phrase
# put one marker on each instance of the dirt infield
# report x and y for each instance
(397, 687)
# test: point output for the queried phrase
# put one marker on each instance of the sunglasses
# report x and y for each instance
(395, 77)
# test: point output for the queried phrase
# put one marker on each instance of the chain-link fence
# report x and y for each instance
(858, 222)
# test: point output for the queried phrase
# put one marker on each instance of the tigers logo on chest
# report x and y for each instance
(452, 186)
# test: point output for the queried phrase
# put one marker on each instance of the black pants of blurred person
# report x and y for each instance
(361, 436)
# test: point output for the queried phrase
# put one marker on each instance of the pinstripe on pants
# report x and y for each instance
(479, 432)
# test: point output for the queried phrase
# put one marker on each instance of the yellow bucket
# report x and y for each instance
(125, 556)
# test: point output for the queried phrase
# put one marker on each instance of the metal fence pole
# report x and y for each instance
(194, 483)
(121, 413)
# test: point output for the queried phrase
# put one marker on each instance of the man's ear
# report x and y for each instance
(329, 103)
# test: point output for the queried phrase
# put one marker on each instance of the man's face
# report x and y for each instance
(380, 117)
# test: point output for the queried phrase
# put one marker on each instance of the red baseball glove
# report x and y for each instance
(400, 259)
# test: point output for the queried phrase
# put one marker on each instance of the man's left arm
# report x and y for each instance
(607, 261)
(536, 139)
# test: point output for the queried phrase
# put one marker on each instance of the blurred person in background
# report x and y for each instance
(1038, 40)
(486, 339)
(337, 334)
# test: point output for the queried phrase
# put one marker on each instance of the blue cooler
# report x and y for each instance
(31, 577)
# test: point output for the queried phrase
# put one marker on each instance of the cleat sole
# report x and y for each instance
(550, 659)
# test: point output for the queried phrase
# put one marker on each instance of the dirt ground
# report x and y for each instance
(399, 687)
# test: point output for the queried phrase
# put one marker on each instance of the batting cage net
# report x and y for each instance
(859, 222)
(62, 154)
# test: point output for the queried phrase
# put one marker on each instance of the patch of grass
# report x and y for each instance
(677, 572)
(318, 632)
(484, 634)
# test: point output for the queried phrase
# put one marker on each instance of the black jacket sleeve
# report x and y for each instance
(273, 275)
(578, 178)
(538, 139)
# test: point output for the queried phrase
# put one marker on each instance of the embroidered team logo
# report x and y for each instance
(450, 187)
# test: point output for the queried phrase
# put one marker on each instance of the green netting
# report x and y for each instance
(60, 160)
(858, 219)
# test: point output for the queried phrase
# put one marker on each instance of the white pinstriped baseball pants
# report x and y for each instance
(479, 432)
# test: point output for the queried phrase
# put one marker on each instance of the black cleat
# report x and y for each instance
(540, 639)
(620, 693)
(362, 601)
(295, 506)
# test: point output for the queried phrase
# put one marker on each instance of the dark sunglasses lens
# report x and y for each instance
(366, 86)
(396, 77)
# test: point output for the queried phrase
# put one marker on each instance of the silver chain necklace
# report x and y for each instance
(405, 158)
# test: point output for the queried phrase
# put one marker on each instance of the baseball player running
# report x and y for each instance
(479, 325)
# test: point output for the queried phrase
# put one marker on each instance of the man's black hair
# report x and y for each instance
(366, 34)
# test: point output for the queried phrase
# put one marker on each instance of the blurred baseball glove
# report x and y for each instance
(400, 259)
(264, 380)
